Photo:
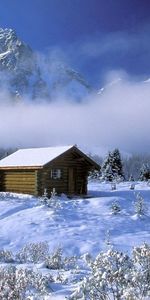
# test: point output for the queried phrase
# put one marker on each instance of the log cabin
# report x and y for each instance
(31, 171)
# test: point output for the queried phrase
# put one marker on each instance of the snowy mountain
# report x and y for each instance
(24, 73)
(109, 85)
(116, 82)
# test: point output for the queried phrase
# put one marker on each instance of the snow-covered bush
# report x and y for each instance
(141, 258)
(53, 202)
(139, 205)
(113, 186)
(116, 276)
(70, 262)
(132, 186)
(61, 278)
(115, 207)
(55, 260)
(44, 198)
(107, 238)
(33, 252)
(17, 284)
(6, 256)
(110, 275)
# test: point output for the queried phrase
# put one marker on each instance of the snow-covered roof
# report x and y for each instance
(34, 157)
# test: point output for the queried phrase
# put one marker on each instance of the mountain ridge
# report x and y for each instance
(23, 75)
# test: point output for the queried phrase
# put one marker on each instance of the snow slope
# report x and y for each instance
(77, 225)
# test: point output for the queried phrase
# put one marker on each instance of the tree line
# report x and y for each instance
(115, 167)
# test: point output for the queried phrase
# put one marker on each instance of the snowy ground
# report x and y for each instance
(78, 225)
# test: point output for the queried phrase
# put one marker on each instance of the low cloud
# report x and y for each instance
(118, 117)
(119, 42)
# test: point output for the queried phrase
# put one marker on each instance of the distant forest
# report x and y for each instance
(6, 152)
(132, 165)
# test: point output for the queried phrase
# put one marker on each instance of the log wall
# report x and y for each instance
(79, 186)
(19, 181)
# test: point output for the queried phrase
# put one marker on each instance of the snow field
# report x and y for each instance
(77, 225)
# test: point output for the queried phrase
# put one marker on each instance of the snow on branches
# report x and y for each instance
(117, 276)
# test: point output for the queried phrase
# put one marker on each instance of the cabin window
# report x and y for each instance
(56, 173)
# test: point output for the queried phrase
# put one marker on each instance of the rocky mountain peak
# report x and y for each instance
(22, 73)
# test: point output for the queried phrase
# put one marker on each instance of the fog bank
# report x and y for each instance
(118, 117)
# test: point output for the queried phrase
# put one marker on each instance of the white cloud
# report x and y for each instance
(118, 42)
(119, 117)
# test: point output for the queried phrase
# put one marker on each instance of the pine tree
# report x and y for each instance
(112, 168)
(145, 172)
(139, 205)
(117, 164)
(107, 172)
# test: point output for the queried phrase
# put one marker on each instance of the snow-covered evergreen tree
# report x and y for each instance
(131, 178)
(115, 207)
(117, 163)
(112, 168)
(139, 205)
(133, 163)
(145, 172)
(107, 173)
(94, 175)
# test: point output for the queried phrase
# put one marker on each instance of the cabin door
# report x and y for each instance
(72, 180)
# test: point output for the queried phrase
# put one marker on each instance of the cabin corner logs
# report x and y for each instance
(73, 167)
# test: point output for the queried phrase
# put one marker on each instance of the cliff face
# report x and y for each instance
(23, 74)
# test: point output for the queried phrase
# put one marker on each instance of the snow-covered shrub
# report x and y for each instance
(61, 278)
(132, 186)
(107, 238)
(141, 272)
(87, 257)
(116, 276)
(141, 257)
(53, 202)
(33, 252)
(55, 260)
(17, 284)
(110, 276)
(113, 186)
(44, 198)
(6, 256)
(139, 205)
(70, 262)
(115, 207)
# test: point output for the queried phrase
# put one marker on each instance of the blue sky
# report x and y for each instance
(93, 36)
